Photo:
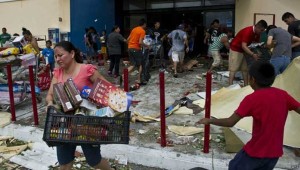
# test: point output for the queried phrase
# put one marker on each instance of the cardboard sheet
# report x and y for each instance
(225, 102)
(185, 131)
(183, 111)
(5, 119)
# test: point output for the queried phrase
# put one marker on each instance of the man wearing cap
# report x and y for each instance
(179, 46)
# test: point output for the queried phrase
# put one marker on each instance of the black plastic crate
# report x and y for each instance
(61, 128)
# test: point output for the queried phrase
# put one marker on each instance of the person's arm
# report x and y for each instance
(35, 45)
(296, 41)
(248, 51)
(270, 42)
(225, 42)
(97, 75)
(207, 35)
(121, 38)
(226, 122)
(128, 37)
(186, 42)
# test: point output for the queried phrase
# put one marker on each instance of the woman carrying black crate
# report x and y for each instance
(70, 65)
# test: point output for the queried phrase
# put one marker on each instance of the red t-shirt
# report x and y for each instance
(269, 108)
(246, 35)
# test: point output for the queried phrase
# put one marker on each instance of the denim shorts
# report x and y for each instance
(245, 162)
(65, 154)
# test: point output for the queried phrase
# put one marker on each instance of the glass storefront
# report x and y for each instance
(167, 4)
(197, 14)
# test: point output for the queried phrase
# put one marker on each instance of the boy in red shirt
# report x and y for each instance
(269, 108)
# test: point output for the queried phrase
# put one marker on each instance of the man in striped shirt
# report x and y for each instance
(219, 42)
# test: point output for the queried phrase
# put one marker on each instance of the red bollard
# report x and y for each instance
(33, 97)
(207, 112)
(11, 93)
(125, 81)
(162, 109)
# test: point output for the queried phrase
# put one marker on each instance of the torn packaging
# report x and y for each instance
(73, 93)
(61, 97)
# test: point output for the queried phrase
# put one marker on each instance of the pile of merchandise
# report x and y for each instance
(19, 54)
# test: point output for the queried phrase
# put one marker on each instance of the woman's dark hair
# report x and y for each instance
(68, 46)
(263, 73)
(26, 31)
(114, 28)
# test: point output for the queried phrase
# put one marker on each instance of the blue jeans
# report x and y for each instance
(295, 54)
(242, 161)
(65, 154)
(280, 63)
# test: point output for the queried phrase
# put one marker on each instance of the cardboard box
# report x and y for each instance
(73, 93)
(20, 41)
(60, 97)
(106, 94)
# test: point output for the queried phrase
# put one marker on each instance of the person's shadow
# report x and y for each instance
(198, 168)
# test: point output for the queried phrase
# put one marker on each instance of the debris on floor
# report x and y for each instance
(10, 147)
(185, 131)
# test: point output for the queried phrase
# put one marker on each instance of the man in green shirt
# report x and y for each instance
(4, 37)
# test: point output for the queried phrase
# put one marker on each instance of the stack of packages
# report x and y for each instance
(19, 89)
(20, 47)
(17, 52)
(102, 100)
(96, 108)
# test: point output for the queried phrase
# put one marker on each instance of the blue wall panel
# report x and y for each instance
(84, 13)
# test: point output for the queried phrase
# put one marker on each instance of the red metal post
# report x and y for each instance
(207, 112)
(11, 93)
(162, 109)
(126, 82)
(33, 97)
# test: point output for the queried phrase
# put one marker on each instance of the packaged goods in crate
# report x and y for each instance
(61, 97)
(88, 109)
(106, 94)
(61, 128)
(73, 93)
